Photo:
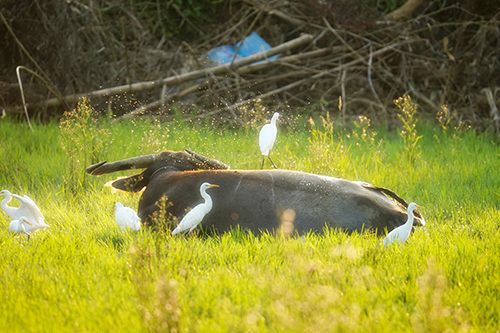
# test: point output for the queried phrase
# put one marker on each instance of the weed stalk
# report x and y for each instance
(83, 141)
(409, 133)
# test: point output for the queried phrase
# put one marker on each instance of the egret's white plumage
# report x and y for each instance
(401, 233)
(19, 225)
(126, 217)
(196, 215)
(27, 209)
(267, 136)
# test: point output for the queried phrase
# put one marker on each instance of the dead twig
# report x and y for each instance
(22, 93)
(370, 82)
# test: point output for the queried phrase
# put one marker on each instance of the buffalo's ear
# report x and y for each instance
(133, 183)
(137, 182)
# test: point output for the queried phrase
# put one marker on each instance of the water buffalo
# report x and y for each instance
(257, 200)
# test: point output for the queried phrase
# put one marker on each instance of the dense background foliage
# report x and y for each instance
(445, 53)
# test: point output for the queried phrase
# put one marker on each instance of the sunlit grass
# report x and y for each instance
(85, 274)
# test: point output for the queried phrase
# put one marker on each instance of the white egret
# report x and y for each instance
(126, 217)
(19, 225)
(267, 136)
(27, 209)
(401, 233)
(196, 215)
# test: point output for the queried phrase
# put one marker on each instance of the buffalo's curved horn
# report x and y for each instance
(139, 162)
(180, 160)
(93, 167)
(207, 163)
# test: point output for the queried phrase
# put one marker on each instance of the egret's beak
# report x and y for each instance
(213, 185)
(26, 221)
(419, 206)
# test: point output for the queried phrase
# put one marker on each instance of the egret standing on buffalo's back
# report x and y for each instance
(27, 209)
(267, 136)
(196, 215)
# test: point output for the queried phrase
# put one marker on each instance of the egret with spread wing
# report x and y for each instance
(267, 136)
(27, 209)
(126, 217)
(401, 233)
(196, 215)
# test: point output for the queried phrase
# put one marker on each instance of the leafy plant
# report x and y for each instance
(363, 131)
(409, 132)
(162, 221)
(84, 140)
(445, 119)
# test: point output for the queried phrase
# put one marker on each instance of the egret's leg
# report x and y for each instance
(262, 166)
(24, 230)
(274, 165)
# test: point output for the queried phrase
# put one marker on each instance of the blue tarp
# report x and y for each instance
(251, 45)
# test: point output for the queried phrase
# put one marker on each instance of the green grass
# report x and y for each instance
(85, 275)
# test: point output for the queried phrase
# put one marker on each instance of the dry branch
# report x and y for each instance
(173, 80)
(22, 94)
(240, 71)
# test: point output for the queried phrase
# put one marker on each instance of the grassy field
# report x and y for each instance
(85, 275)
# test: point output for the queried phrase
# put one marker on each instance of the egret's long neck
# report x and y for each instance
(5, 201)
(409, 223)
(208, 198)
